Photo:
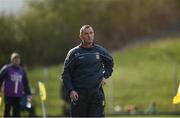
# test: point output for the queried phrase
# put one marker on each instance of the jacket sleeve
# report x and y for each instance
(107, 63)
(3, 74)
(66, 75)
(26, 84)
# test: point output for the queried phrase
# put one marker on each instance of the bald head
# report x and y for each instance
(84, 27)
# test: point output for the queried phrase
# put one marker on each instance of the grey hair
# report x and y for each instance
(14, 55)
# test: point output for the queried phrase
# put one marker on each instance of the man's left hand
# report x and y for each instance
(29, 97)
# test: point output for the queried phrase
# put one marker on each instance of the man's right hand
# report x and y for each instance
(74, 96)
(29, 97)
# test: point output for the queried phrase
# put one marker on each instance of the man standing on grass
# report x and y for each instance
(86, 68)
(15, 84)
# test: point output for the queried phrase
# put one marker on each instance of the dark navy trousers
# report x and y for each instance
(12, 103)
(91, 103)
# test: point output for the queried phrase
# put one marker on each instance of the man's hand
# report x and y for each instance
(103, 82)
(29, 97)
(74, 96)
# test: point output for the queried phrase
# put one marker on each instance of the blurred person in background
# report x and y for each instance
(86, 69)
(15, 85)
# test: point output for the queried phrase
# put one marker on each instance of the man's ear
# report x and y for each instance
(80, 36)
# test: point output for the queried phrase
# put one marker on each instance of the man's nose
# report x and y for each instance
(89, 35)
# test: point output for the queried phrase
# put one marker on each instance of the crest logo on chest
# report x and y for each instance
(97, 55)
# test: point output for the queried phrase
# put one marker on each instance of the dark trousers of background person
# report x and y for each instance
(90, 103)
(12, 103)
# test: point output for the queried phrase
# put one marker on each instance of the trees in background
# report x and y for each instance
(46, 29)
(8, 38)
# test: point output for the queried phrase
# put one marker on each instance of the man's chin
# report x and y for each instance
(91, 42)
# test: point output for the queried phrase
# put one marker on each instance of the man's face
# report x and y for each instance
(87, 36)
(16, 61)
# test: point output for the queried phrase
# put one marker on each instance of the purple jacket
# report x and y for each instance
(15, 81)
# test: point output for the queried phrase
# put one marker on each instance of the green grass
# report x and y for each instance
(142, 74)
(145, 74)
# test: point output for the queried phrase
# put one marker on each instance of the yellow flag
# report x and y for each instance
(177, 97)
(42, 90)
